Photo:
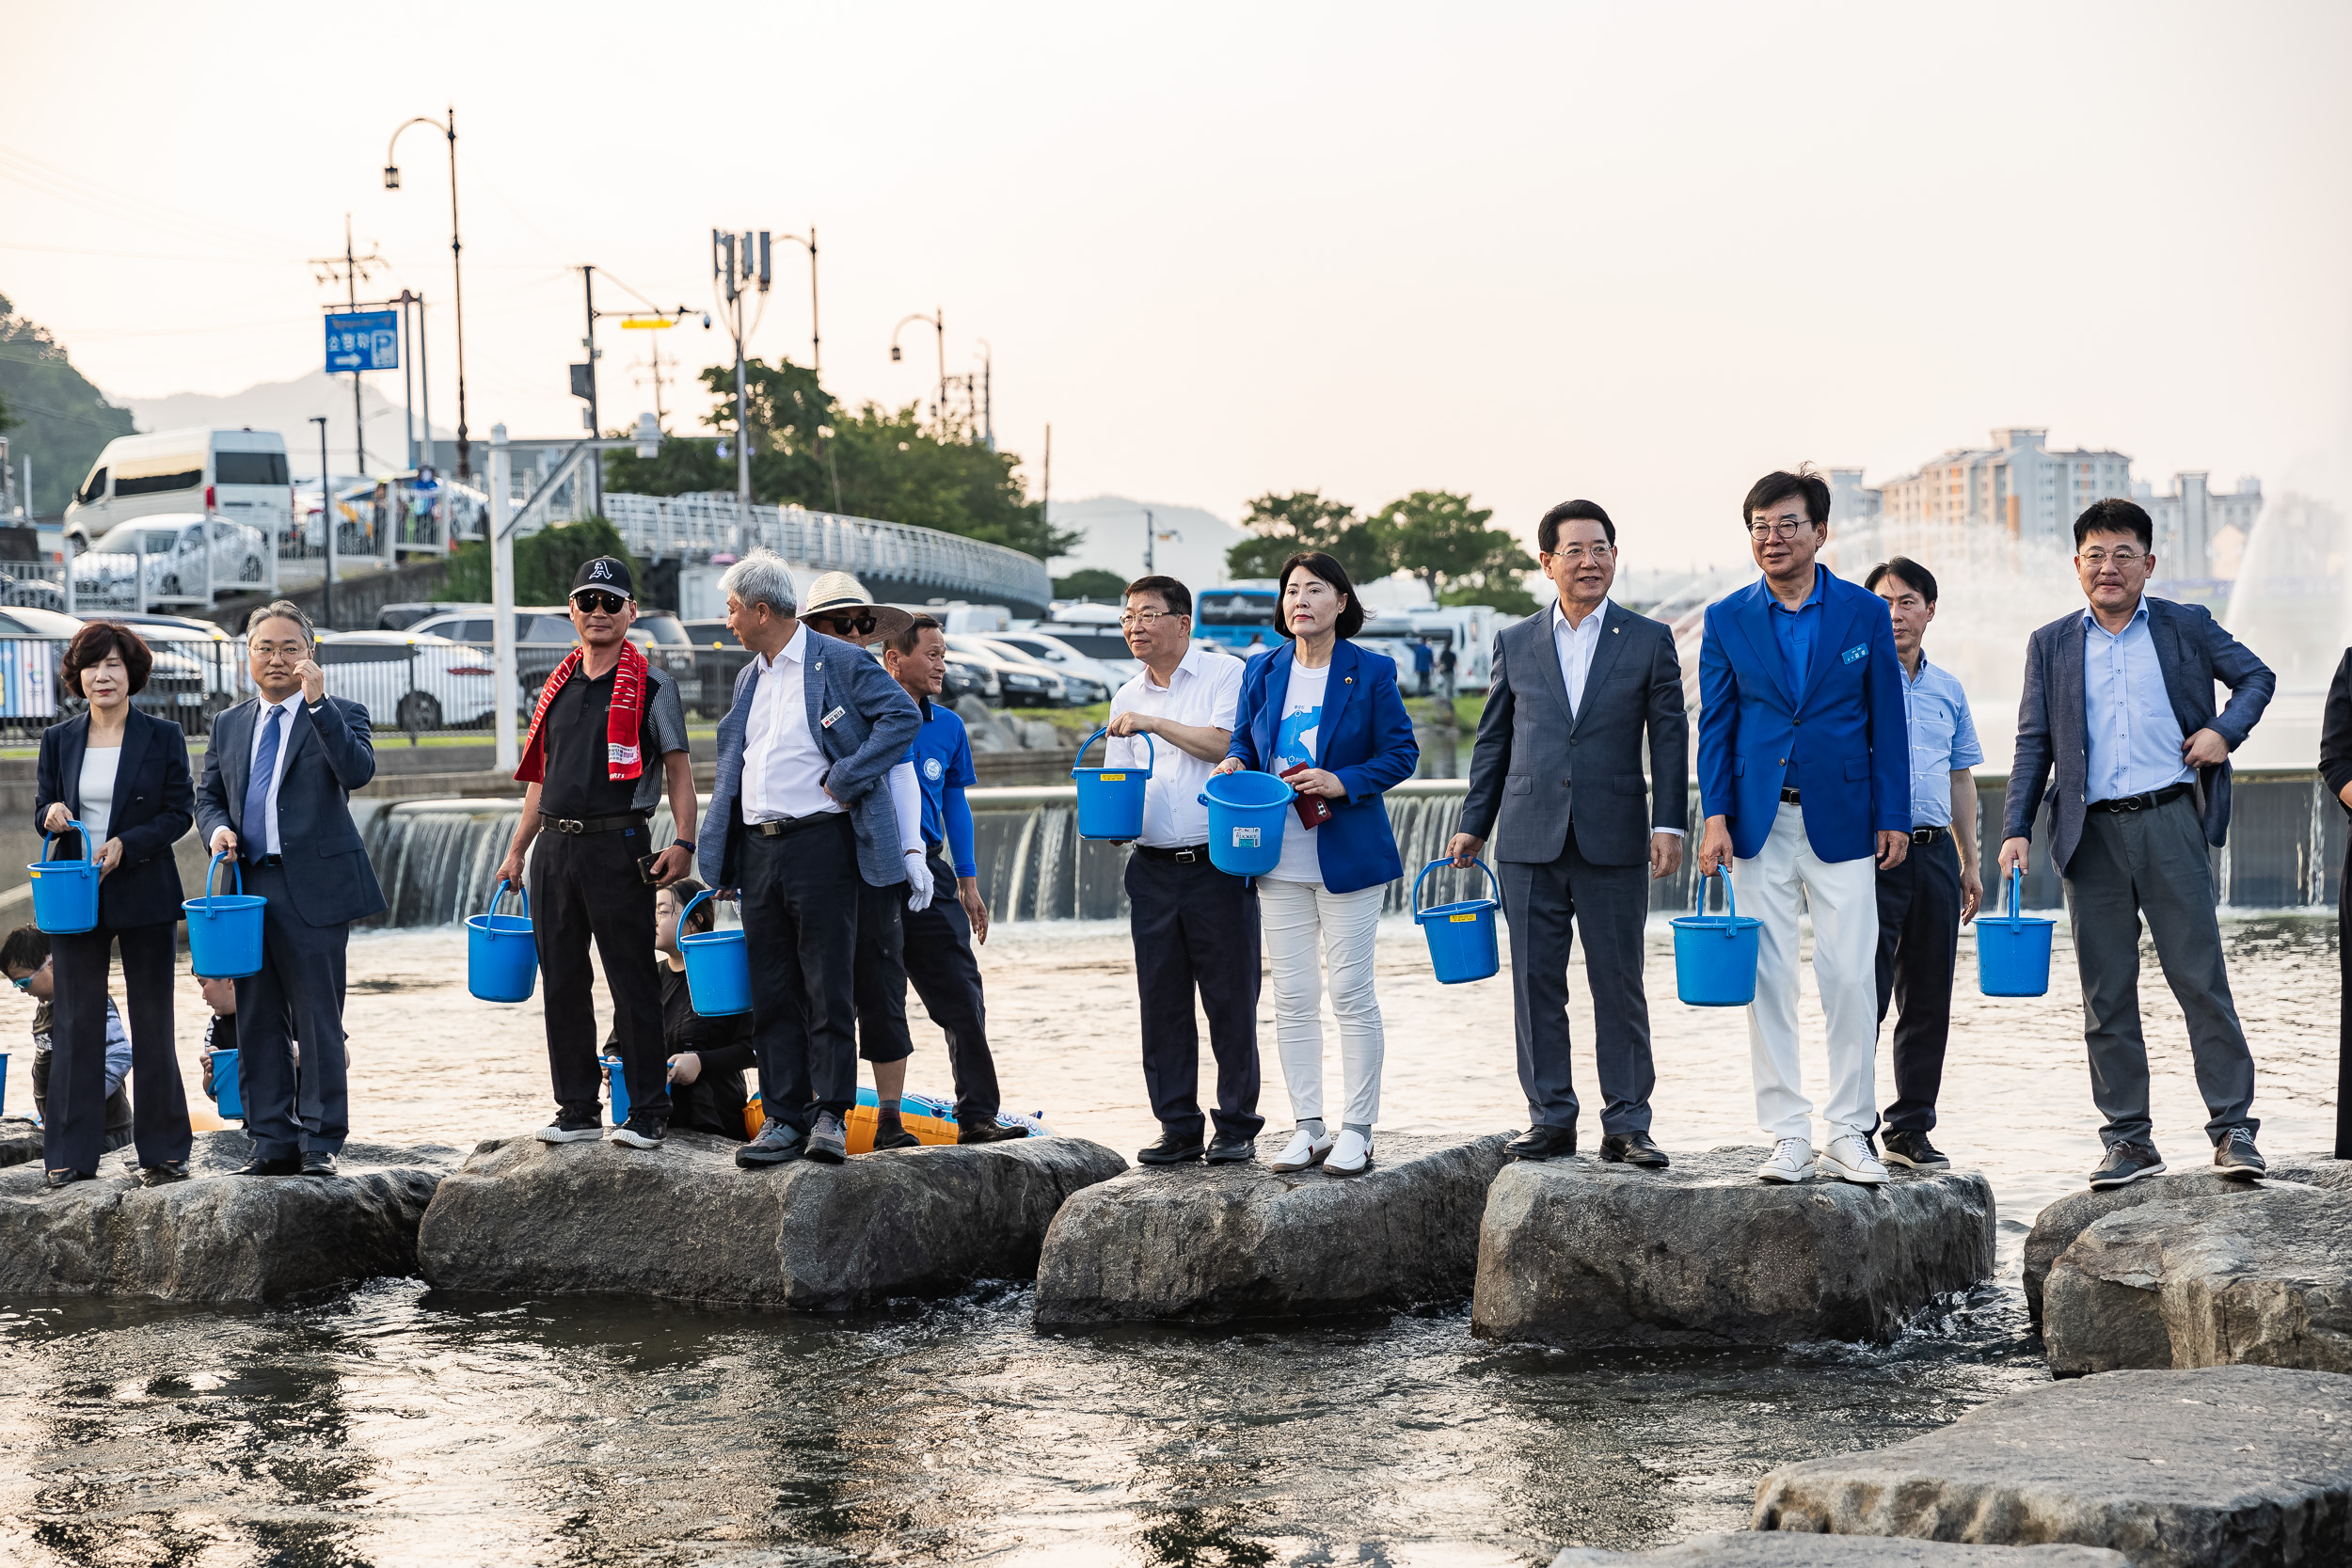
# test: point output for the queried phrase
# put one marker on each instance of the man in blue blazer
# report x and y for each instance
(796, 820)
(1805, 771)
(2119, 703)
(279, 773)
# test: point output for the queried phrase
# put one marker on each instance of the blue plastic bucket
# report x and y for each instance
(4, 1082)
(1461, 936)
(225, 1097)
(2013, 951)
(1246, 812)
(65, 893)
(501, 957)
(1715, 954)
(224, 929)
(718, 966)
(1110, 800)
(616, 1088)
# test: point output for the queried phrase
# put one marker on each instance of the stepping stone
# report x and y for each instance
(682, 1222)
(2264, 1276)
(1774, 1549)
(1201, 1243)
(217, 1236)
(1578, 1252)
(2055, 1227)
(2219, 1468)
(20, 1140)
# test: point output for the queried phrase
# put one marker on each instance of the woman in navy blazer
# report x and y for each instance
(1327, 716)
(124, 774)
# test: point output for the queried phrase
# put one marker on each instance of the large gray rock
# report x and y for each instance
(2221, 1468)
(1216, 1244)
(20, 1140)
(217, 1237)
(682, 1222)
(1582, 1253)
(2055, 1227)
(2264, 1277)
(1773, 1549)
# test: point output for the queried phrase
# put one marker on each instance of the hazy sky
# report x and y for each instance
(1636, 253)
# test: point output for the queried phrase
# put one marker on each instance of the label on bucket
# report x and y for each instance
(1244, 838)
(1457, 919)
(1112, 778)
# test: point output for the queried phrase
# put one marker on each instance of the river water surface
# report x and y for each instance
(394, 1425)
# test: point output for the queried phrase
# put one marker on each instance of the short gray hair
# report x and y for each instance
(762, 577)
(281, 610)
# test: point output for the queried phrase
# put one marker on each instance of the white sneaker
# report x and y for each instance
(1350, 1156)
(1849, 1159)
(1791, 1160)
(1304, 1151)
(561, 1131)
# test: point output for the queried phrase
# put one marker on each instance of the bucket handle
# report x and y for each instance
(70, 826)
(500, 891)
(213, 870)
(1698, 904)
(1448, 860)
(687, 913)
(2016, 887)
(1150, 752)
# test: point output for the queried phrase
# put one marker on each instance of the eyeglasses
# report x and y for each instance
(1784, 529)
(2125, 560)
(862, 625)
(1575, 554)
(597, 601)
(1147, 619)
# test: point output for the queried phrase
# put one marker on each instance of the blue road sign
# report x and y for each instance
(364, 341)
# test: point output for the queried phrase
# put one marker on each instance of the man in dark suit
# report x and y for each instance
(797, 815)
(1557, 771)
(2119, 703)
(279, 773)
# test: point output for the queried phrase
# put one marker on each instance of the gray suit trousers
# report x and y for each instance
(1609, 904)
(2153, 863)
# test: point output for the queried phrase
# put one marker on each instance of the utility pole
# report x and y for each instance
(1149, 529)
(596, 482)
(1045, 498)
(350, 268)
(407, 380)
(734, 265)
(326, 521)
(502, 599)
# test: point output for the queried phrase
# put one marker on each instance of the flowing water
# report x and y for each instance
(391, 1425)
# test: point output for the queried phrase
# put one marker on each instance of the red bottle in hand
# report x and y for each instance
(1313, 810)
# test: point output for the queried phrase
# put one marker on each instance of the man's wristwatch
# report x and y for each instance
(685, 843)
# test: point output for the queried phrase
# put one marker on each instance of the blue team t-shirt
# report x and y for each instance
(941, 755)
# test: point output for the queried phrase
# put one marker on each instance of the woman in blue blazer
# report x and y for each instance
(1327, 716)
(123, 775)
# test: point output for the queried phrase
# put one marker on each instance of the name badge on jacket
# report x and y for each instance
(1855, 653)
(826, 723)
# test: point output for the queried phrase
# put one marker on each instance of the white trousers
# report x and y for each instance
(1297, 918)
(1844, 899)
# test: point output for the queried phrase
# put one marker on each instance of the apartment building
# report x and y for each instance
(2200, 532)
(2017, 488)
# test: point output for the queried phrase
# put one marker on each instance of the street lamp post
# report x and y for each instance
(939, 324)
(457, 260)
(326, 521)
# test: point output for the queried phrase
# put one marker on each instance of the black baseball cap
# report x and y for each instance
(607, 572)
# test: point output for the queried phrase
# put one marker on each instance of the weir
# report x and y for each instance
(438, 860)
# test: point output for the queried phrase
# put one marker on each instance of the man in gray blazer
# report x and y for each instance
(2119, 703)
(796, 820)
(1557, 771)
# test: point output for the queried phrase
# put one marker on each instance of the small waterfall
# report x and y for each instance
(438, 860)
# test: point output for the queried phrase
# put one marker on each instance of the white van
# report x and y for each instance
(237, 475)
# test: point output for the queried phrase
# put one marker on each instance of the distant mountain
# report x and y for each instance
(287, 407)
(1112, 529)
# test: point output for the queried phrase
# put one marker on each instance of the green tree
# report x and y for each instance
(545, 564)
(875, 463)
(1442, 539)
(1091, 583)
(52, 412)
(1304, 520)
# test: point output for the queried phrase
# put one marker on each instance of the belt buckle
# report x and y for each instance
(570, 825)
(1186, 856)
(2133, 803)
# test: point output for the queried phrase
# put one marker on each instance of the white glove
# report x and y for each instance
(918, 882)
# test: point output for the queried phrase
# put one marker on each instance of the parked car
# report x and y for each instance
(226, 675)
(400, 617)
(190, 558)
(239, 475)
(1077, 687)
(32, 592)
(408, 682)
(1065, 660)
(544, 635)
(1099, 640)
(1024, 682)
(32, 651)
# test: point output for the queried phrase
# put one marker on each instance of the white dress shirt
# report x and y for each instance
(1575, 645)
(784, 770)
(1205, 690)
(285, 744)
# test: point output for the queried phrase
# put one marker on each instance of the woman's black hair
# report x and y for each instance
(1317, 563)
(685, 890)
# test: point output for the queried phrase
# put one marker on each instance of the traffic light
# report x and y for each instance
(583, 382)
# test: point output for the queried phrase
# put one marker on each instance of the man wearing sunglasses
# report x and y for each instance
(608, 737)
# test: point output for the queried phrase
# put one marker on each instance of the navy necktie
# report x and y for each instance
(254, 841)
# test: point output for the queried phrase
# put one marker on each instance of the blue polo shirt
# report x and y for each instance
(1943, 741)
(1795, 629)
(942, 754)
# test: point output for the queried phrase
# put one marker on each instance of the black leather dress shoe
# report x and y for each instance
(318, 1162)
(1633, 1149)
(1231, 1149)
(1542, 1142)
(66, 1178)
(168, 1170)
(989, 1133)
(1171, 1148)
(288, 1165)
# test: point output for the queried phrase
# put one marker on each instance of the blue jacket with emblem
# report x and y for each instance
(1364, 736)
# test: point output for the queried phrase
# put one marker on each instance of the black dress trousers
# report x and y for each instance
(1918, 951)
(1195, 928)
(585, 887)
(75, 1131)
(946, 975)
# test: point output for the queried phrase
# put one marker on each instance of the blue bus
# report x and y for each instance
(1236, 616)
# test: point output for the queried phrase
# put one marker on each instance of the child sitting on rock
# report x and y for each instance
(24, 957)
(707, 1056)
